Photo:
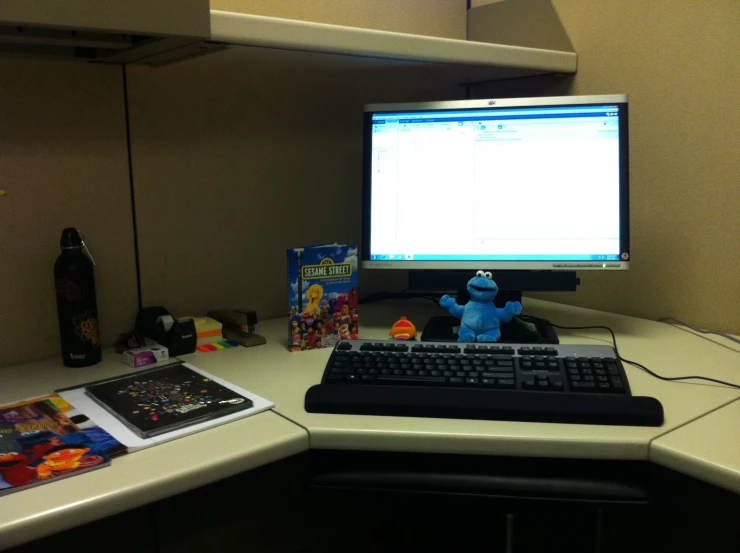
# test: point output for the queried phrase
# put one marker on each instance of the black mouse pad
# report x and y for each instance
(163, 399)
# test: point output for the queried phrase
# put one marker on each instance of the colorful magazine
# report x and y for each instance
(46, 439)
(323, 296)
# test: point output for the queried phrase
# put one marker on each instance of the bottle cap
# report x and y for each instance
(71, 239)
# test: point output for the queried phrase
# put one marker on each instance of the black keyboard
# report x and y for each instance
(561, 383)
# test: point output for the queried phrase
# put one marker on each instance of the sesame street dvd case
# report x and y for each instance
(323, 296)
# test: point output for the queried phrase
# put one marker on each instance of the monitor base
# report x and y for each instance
(444, 329)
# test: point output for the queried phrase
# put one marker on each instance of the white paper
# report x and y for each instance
(120, 431)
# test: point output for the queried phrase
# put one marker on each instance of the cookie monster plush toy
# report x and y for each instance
(480, 319)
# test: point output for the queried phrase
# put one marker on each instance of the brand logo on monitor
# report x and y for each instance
(326, 269)
(491, 102)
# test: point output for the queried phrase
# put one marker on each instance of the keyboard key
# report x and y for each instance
(528, 384)
(497, 374)
(578, 386)
(504, 363)
(342, 370)
(556, 383)
(367, 378)
(473, 374)
(411, 380)
(506, 382)
(471, 381)
(455, 380)
(344, 346)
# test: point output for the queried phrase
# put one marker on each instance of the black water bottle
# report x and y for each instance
(77, 307)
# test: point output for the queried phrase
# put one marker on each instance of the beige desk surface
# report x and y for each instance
(138, 478)
(707, 449)
(284, 377)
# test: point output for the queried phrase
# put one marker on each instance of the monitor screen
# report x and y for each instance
(534, 183)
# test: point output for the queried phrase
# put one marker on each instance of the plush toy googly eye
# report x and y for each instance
(480, 274)
(488, 275)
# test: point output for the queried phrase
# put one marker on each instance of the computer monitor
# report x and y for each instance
(531, 189)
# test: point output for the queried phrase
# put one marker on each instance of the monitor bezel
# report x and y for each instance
(494, 265)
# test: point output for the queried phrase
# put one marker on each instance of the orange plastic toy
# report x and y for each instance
(403, 330)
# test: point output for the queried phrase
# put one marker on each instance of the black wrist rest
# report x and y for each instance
(460, 403)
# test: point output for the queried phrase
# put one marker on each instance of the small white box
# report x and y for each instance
(149, 355)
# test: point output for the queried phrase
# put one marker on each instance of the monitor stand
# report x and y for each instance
(444, 328)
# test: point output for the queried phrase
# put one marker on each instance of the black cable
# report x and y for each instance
(127, 118)
(634, 363)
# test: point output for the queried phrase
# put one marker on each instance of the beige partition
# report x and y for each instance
(238, 156)
(62, 163)
(443, 18)
(678, 61)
